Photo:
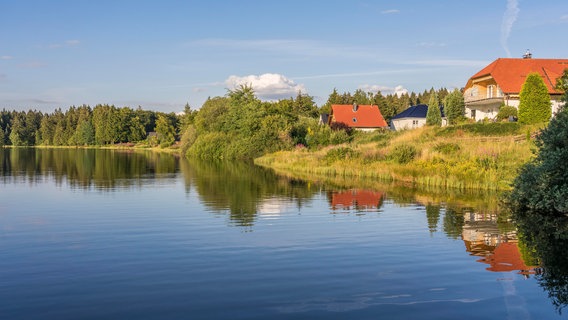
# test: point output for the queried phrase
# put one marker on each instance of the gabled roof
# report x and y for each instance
(418, 111)
(365, 116)
(511, 73)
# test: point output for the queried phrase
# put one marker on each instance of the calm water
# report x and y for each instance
(99, 234)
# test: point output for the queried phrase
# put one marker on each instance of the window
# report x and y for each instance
(473, 113)
(490, 91)
(354, 119)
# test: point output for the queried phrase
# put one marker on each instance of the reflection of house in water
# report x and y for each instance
(273, 208)
(356, 199)
(498, 249)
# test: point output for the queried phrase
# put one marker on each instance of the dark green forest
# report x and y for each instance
(235, 126)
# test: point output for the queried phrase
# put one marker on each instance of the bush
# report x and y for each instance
(505, 112)
(209, 146)
(542, 185)
(403, 153)
(484, 129)
(447, 148)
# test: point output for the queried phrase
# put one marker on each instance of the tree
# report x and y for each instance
(454, 106)
(434, 115)
(534, 101)
(334, 98)
(562, 84)
(542, 185)
(165, 130)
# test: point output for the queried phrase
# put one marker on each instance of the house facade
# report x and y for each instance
(501, 81)
(359, 117)
(411, 118)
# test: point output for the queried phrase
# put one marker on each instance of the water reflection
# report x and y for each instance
(85, 168)
(545, 240)
(359, 200)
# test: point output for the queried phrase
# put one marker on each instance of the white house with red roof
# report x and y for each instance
(501, 81)
(360, 117)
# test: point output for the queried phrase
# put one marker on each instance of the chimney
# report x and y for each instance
(355, 107)
(527, 54)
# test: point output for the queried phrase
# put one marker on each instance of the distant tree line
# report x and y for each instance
(86, 126)
(235, 126)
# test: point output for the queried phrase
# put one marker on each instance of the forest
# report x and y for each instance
(235, 126)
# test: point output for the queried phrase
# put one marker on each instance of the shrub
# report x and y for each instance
(446, 148)
(209, 146)
(542, 185)
(484, 129)
(505, 112)
(403, 153)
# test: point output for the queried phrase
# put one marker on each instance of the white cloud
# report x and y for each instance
(398, 90)
(268, 86)
(564, 17)
(509, 18)
(390, 11)
(6, 57)
(72, 43)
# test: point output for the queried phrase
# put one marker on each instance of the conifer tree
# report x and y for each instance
(454, 106)
(534, 101)
(433, 116)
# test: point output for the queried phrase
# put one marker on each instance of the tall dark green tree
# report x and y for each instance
(454, 106)
(434, 115)
(534, 101)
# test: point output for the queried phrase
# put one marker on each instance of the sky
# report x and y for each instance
(160, 55)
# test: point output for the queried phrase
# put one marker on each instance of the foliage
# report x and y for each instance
(562, 85)
(403, 153)
(483, 129)
(542, 185)
(447, 147)
(340, 153)
(434, 115)
(209, 146)
(505, 112)
(454, 106)
(534, 101)
(165, 130)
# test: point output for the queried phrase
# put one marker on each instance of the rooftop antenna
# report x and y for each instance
(527, 54)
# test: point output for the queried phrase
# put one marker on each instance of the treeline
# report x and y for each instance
(235, 126)
(86, 126)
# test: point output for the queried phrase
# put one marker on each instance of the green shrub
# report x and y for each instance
(446, 148)
(210, 146)
(505, 112)
(484, 129)
(403, 153)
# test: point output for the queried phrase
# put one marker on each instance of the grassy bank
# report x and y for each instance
(471, 156)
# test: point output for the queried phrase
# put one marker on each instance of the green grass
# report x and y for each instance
(449, 157)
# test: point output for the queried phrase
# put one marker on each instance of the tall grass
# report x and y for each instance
(423, 156)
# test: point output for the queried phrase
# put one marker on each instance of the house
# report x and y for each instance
(501, 81)
(413, 117)
(360, 117)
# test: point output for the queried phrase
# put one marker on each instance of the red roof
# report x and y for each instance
(365, 116)
(506, 257)
(511, 73)
(356, 199)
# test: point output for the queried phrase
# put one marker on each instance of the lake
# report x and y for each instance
(111, 234)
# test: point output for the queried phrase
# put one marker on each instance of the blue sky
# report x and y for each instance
(161, 54)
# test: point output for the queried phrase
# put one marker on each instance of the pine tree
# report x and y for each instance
(433, 116)
(454, 106)
(534, 101)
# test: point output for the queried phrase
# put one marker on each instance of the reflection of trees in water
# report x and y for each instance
(85, 168)
(242, 188)
(546, 237)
